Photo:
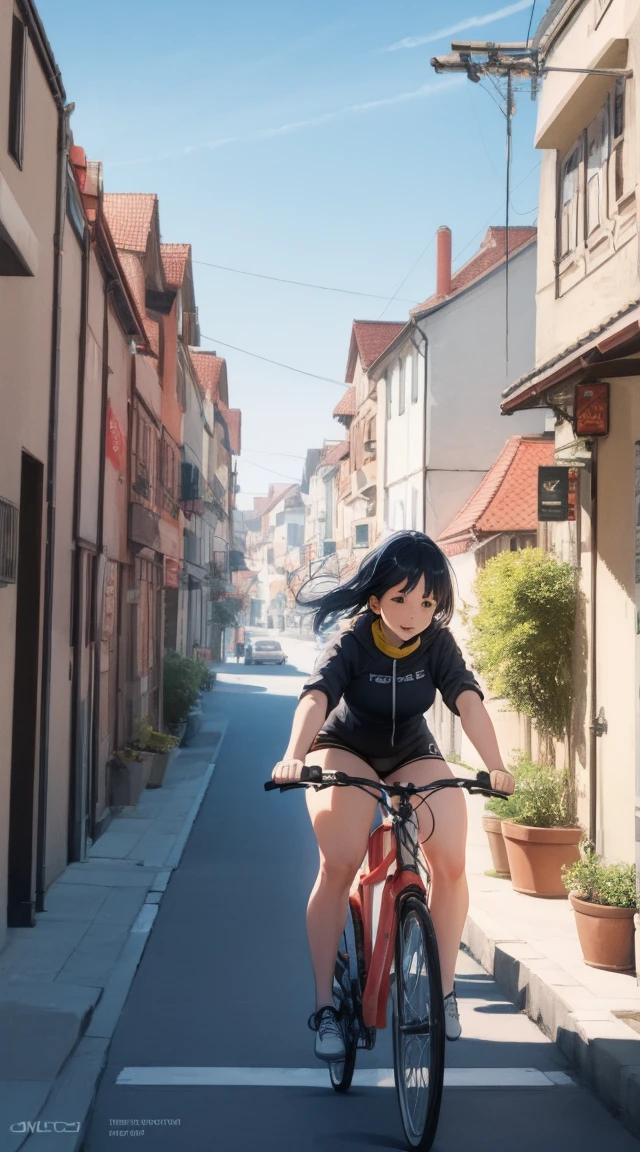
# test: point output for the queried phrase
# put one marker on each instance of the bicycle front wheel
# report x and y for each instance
(418, 1024)
(344, 992)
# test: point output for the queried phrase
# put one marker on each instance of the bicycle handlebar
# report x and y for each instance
(315, 776)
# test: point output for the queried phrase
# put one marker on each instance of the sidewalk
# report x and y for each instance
(63, 983)
(531, 947)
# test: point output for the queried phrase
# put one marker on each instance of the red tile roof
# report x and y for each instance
(369, 338)
(346, 405)
(211, 371)
(335, 455)
(492, 253)
(506, 499)
(233, 418)
(175, 258)
(129, 216)
(134, 273)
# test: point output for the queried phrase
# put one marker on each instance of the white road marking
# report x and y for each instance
(319, 1078)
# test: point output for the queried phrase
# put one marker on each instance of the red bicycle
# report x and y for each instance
(389, 950)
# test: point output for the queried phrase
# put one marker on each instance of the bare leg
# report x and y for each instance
(341, 819)
(444, 850)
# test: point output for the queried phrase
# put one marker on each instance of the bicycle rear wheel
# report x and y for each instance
(418, 1024)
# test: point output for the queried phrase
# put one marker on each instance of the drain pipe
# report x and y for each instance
(64, 113)
(424, 342)
(598, 724)
(76, 823)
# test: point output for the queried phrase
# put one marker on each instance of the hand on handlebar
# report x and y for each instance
(502, 782)
(287, 771)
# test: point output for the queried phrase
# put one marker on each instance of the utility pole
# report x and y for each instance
(519, 60)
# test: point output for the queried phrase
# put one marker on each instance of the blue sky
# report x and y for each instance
(308, 142)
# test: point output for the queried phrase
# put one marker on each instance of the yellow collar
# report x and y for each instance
(383, 644)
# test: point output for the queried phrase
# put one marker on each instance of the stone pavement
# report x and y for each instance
(531, 947)
(63, 983)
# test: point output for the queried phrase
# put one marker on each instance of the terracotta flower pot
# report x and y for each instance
(536, 856)
(493, 827)
(607, 935)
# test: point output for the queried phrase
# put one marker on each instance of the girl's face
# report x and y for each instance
(404, 614)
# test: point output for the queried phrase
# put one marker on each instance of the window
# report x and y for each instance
(295, 535)
(621, 185)
(597, 156)
(569, 191)
(592, 183)
(362, 536)
(601, 8)
(414, 507)
(17, 90)
(389, 384)
(414, 377)
(401, 389)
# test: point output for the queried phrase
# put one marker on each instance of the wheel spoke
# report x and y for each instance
(417, 1048)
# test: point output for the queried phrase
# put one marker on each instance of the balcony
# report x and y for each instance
(192, 489)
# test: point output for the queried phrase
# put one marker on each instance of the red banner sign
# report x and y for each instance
(171, 573)
(116, 442)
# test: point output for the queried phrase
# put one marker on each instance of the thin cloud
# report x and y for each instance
(471, 22)
(423, 93)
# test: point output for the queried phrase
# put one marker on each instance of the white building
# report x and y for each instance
(440, 382)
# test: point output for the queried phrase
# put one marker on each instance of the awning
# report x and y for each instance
(602, 354)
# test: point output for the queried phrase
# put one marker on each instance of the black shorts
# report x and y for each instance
(424, 748)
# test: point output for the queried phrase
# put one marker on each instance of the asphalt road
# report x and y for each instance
(225, 984)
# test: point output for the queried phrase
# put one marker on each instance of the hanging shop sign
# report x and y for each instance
(591, 409)
(557, 493)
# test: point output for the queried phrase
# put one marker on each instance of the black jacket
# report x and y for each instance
(376, 703)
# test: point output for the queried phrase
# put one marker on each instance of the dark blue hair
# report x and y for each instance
(404, 556)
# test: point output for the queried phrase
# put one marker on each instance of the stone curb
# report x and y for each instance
(74, 1089)
(600, 1047)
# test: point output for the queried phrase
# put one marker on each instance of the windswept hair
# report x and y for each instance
(403, 556)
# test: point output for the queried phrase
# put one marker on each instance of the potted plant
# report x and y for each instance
(180, 691)
(539, 829)
(604, 900)
(161, 745)
(494, 810)
(129, 770)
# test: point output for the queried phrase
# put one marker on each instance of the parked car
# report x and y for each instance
(266, 652)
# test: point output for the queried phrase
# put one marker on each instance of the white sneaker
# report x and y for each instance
(451, 1017)
(327, 1025)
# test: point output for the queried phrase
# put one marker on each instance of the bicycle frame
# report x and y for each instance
(376, 898)
(394, 842)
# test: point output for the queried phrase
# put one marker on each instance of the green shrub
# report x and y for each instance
(521, 637)
(180, 687)
(151, 741)
(203, 677)
(541, 798)
(613, 885)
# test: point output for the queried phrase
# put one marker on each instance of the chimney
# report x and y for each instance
(443, 269)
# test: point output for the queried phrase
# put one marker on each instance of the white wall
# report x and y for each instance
(466, 374)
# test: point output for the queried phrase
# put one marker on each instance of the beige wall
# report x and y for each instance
(25, 340)
(567, 105)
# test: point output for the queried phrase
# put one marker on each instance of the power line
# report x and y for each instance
(533, 8)
(296, 479)
(297, 283)
(263, 452)
(481, 230)
(395, 294)
(278, 364)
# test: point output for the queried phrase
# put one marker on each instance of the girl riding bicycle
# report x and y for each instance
(362, 712)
